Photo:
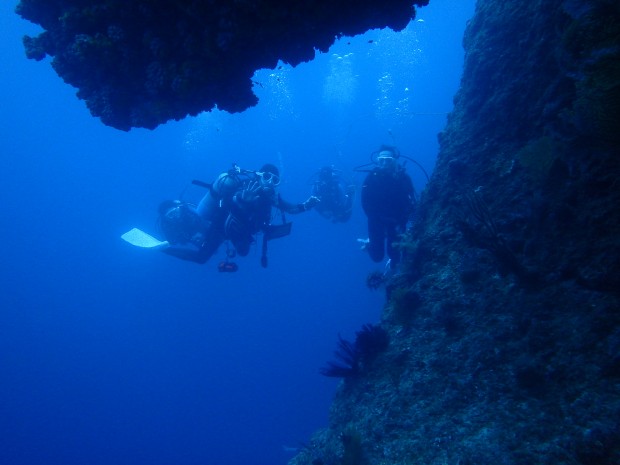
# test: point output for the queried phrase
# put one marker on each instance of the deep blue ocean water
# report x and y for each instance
(111, 354)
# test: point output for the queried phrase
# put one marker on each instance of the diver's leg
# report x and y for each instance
(392, 252)
(236, 231)
(242, 246)
(376, 237)
(210, 246)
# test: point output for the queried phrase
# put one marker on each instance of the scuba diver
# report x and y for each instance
(195, 232)
(237, 206)
(335, 193)
(188, 235)
(388, 200)
(250, 211)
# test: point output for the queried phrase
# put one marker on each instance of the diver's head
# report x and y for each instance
(167, 205)
(326, 173)
(171, 222)
(269, 176)
(386, 160)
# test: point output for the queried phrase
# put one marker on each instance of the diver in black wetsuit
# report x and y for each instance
(195, 232)
(237, 206)
(335, 193)
(388, 199)
(250, 211)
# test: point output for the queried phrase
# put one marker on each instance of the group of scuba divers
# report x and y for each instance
(241, 205)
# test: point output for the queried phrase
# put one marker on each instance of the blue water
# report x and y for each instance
(111, 354)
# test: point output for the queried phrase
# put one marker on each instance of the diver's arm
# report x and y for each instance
(295, 208)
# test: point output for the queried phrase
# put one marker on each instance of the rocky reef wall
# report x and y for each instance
(504, 323)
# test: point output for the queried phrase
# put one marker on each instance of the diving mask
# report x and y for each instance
(268, 179)
(386, 160)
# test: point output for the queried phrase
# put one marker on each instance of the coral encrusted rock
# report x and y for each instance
(141, 63)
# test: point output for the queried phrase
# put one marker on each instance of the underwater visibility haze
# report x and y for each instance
(114, 354)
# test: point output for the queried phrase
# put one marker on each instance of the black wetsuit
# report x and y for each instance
(249, 217)
(387, 199)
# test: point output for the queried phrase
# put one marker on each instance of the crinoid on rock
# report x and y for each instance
(353, 357)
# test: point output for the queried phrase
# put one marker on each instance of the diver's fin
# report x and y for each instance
(141, 239)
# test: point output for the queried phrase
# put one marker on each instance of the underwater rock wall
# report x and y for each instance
(141, 63)
(504, 324)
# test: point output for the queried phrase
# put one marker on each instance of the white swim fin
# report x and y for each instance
(139, 238)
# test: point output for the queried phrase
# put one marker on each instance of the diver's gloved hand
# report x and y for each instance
(311, 202)
(250, 193)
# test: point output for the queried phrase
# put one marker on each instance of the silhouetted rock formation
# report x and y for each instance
(141, 63)
(505, 328)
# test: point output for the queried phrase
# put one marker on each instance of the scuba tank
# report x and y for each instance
(223, 187)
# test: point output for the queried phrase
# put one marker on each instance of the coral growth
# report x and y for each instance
(538, 157)
(486, 234)
(354, 357)
(140, 63)
(375, 280)
(353, 448)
